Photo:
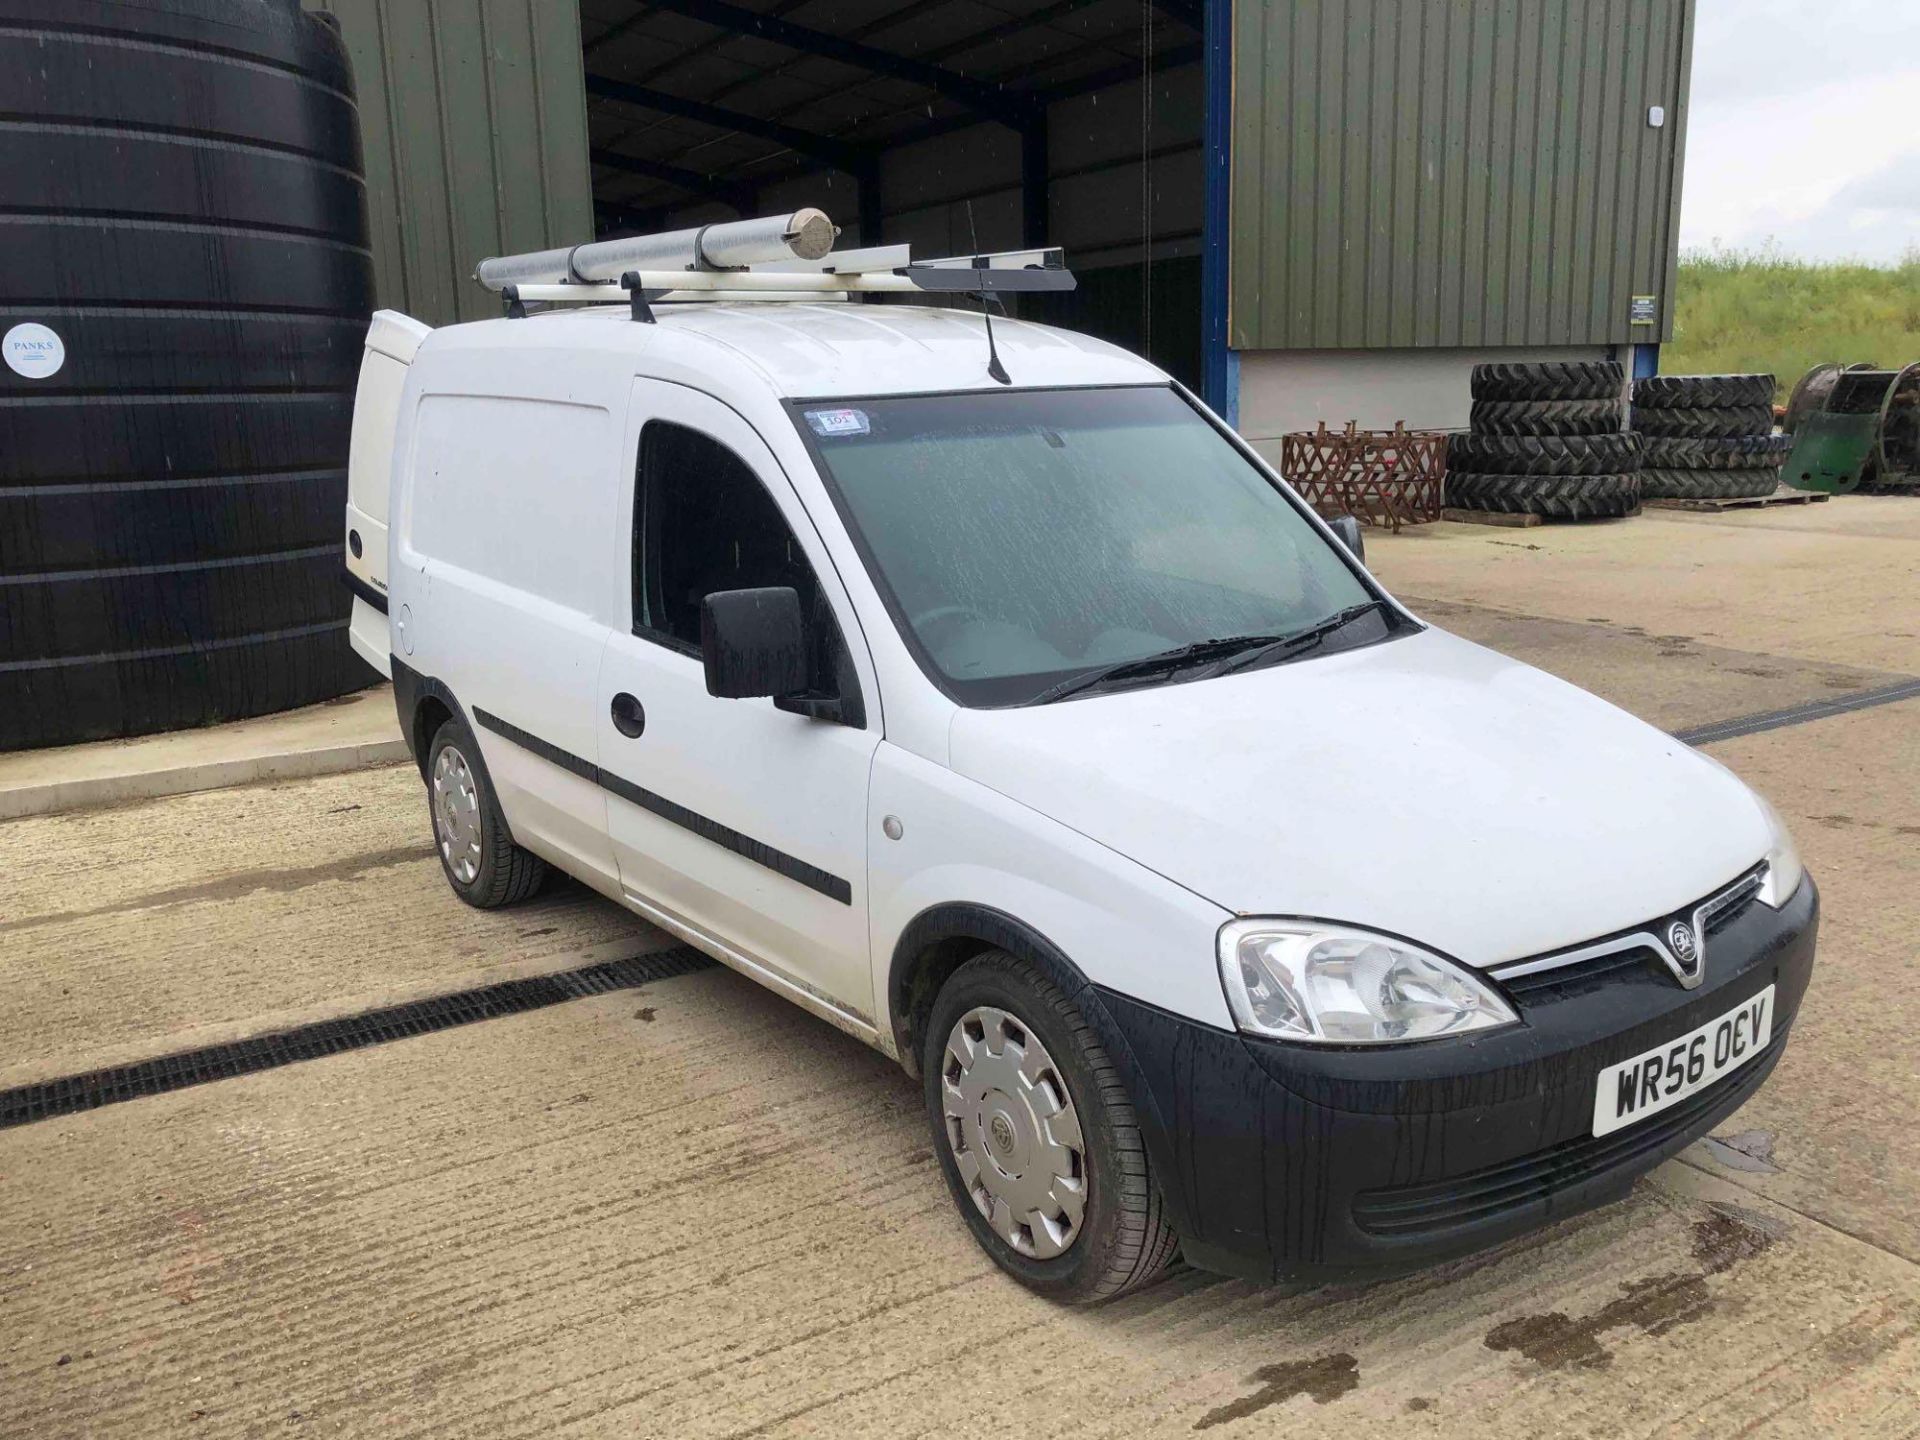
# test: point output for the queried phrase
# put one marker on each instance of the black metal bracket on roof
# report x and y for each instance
(638, 308)
(516, 308)
(700, 261)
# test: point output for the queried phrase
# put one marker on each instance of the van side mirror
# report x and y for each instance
(1348, 529)
(752, 643)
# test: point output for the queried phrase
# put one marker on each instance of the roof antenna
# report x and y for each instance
(995, 370)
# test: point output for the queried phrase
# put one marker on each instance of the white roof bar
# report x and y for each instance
(587, 295)
(716, 285)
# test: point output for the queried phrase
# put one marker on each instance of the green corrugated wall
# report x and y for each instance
(1454, 172)
(474, 122)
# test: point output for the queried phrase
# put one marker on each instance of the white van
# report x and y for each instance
(1037, 734)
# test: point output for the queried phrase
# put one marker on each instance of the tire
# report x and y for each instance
(1544, 454)
(1746, 452)
(1692, 392)
(1566, 497)
(1122, 1239)
(1547, 417)
(503, 873)
(1714, 422)
(1669, 484)
(1553, 380)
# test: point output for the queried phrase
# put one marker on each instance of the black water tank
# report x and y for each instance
(184, 284)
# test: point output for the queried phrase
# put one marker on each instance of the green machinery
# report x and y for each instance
(1854, 427)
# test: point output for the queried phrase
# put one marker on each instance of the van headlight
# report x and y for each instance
(1330, 985)
(1784, 870)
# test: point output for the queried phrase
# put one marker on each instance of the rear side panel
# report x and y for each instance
(392, 341)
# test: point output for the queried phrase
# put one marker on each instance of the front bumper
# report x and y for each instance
(1297, 1162)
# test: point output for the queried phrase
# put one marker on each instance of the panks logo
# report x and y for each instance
(33, 350)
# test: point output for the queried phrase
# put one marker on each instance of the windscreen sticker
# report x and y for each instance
(831, 423)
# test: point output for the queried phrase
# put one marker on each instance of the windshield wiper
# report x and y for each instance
(1166, 660)
(1287, 647)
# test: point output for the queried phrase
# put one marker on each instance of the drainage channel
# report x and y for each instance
(73, 1093)
(1798, 714)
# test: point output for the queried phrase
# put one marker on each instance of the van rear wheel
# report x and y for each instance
(1037, 1137)
(484, 867)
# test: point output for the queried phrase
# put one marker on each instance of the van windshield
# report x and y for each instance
(1039, 543)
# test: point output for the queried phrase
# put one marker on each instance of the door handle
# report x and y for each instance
(628, 718)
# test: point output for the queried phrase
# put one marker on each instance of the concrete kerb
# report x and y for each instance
(356, 732)
(101, 790)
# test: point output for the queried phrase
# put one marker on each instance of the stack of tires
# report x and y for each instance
(1546, 439)
(1707, 437)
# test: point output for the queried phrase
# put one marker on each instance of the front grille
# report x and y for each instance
(1583, 975)
(1733, 905)
(1585, 967)
(1497, 1190)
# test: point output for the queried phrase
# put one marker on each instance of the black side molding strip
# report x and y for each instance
(778, 861)
(377, 599)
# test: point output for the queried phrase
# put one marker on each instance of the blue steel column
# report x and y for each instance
(1219, 365)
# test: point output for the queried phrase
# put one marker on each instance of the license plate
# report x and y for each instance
(1649, 1083)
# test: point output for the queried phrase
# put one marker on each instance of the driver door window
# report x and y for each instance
(703, 522)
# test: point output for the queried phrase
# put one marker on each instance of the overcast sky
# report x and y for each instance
(1805, 127)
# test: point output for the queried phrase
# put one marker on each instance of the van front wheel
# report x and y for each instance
(1037, 1138)
(484, 867)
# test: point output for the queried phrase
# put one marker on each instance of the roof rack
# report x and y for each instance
(775, 258)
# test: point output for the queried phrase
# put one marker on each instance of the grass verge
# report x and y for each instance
(1739, 312)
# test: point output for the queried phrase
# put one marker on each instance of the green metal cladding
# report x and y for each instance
(1455, 172)
(474, 122)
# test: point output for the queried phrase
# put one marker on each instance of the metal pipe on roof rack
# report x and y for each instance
(804, 235)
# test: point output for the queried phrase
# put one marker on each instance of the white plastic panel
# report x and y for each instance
(392, 341)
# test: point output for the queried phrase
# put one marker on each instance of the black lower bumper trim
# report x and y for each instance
(1501, 1189)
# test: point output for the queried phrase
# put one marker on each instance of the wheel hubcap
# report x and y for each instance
(1014, 1132)
(456, 814)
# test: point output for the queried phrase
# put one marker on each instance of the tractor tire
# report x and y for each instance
(1553, 380)
(1544, 454)
(1746, 452)
(1567, 497)
(1547, 417)
(1667, 484)
(1716, 422)
(1694, 392)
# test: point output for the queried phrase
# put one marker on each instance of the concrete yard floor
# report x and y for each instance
(692, 1210)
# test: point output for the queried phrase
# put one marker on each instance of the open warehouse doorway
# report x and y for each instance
(952, 125)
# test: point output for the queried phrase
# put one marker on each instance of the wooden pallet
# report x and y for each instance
(1519, 520)
(1782, 496)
